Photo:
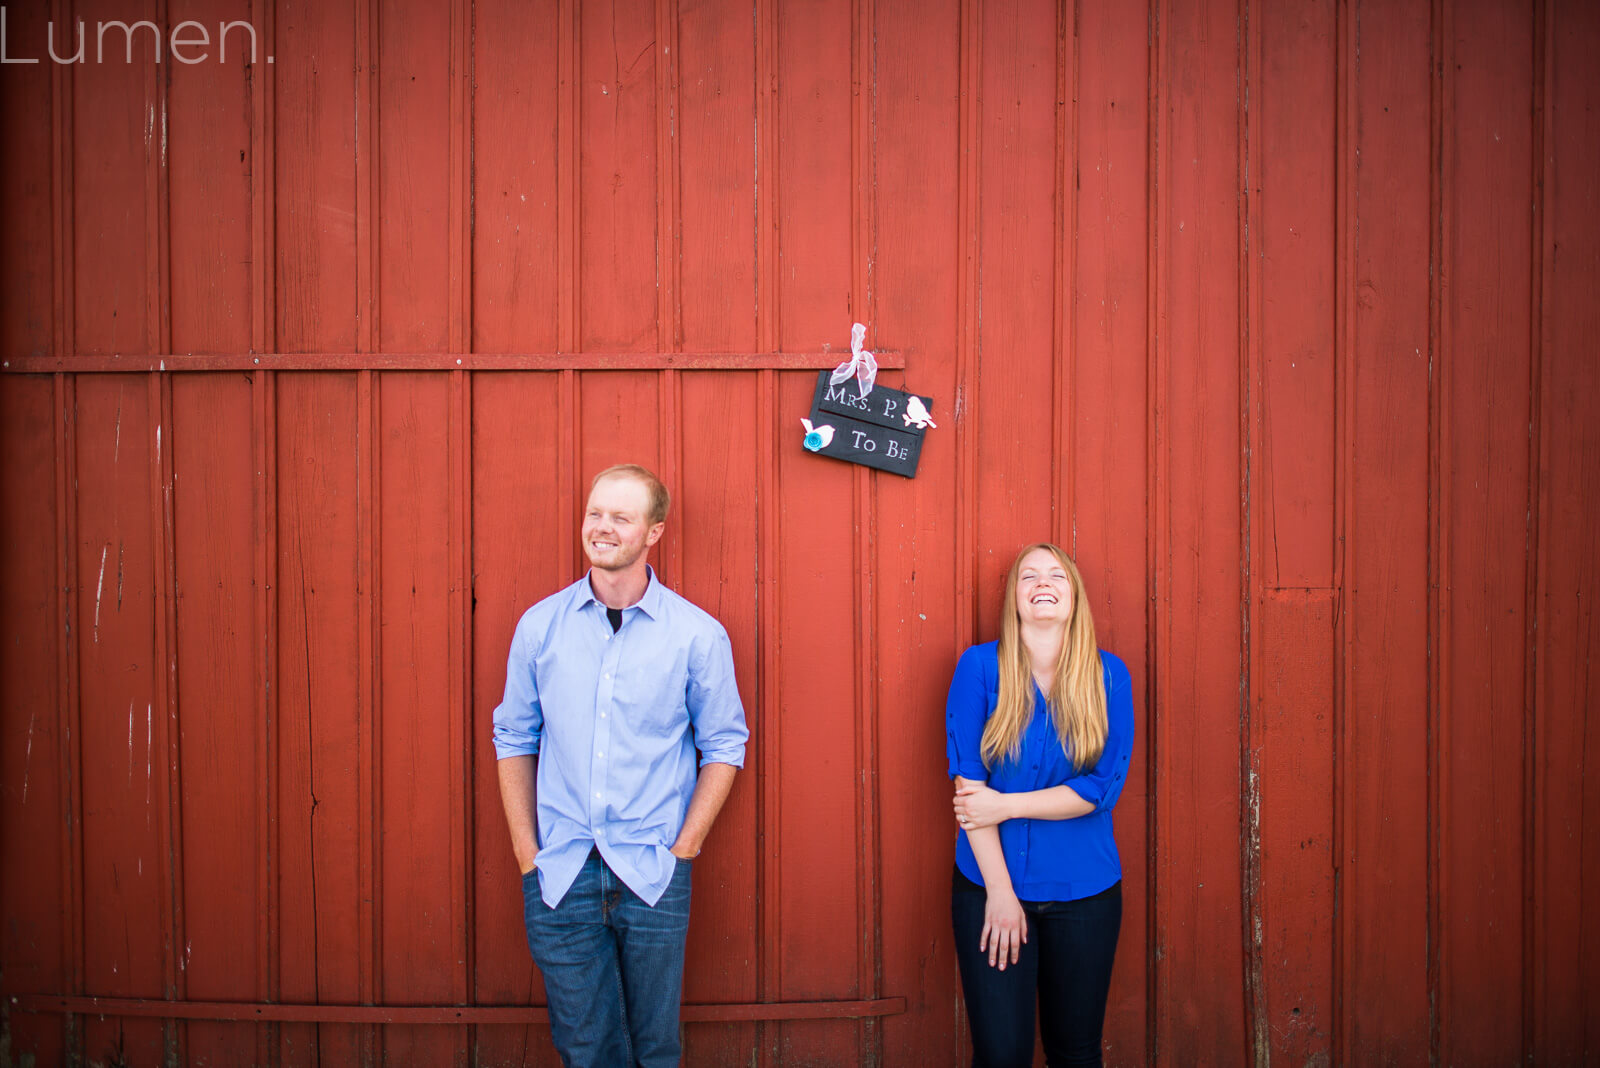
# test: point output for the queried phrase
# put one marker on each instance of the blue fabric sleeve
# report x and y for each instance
(1101, 785)
(519, 721)
(715, 710)
(966, 710)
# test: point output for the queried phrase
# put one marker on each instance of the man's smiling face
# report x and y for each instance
(616, 524)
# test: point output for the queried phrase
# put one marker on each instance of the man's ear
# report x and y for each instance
(654, 535)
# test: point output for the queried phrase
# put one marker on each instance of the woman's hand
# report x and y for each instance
(977, 806)
(1005, 928)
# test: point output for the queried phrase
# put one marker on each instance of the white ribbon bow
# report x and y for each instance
(862, 364)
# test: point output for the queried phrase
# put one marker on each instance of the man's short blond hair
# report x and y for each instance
(660, 499)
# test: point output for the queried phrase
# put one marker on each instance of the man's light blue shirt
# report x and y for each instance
(615, 720)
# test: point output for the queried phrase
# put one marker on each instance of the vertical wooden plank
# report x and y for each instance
(369, 189)
(35, 825)
(463, 766)
(208, 148)
(1541, 248)
(33, 870)
(113, 127)
(317, 730)
(26, 260)
(264, 496)
(863, 308)
(1016, 269)
(617, 177)
(709, 212)
(125, 912)
(616, 211)
(1343, 489)
(158, 332)
(518, 520)
(712, 503)
(63, 200)
(68, 663)
(1384, 742)
(916, 290)
(1200, 649)
(568, 169)
(818, 870)
(765, 739)
(1568, 937)
(417, 959)
(1484, 523)
(514, 166)
(1258, 1025)
(369, 694)
(369, 174)
(317, 81)
(1295, 736)
(669, 207)
(669, 266)
(518, 531)
(314, 177)
(619, 412)
(218, 740)
(265, 680)
(416, 956)
(816, 716)
(263, 156)
(715, 123)
(411, 113)
(1292, 113)
(1062, 398)
(1109, 523)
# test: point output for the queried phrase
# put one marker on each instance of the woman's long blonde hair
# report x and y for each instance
(1077, 697)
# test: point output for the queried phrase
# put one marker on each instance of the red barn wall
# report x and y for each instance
(1279, 316)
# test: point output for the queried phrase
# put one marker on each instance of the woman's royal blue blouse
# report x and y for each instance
(1049, 860)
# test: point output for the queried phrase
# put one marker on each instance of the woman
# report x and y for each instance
(1040, 729)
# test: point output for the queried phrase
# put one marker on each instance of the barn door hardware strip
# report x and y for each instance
(431, 1014)
(437, 361)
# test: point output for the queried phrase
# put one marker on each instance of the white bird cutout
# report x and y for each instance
(825, 433)
(917, 415)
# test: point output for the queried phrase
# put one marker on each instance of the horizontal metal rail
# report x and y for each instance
(429, 1014)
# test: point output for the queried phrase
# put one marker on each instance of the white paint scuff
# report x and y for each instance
(27, 758)
(98, 587)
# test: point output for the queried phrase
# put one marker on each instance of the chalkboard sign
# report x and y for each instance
(883, 429)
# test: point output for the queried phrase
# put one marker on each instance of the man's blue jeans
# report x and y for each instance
(612, 966)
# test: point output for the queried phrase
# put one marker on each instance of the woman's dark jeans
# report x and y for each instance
(1065, 964)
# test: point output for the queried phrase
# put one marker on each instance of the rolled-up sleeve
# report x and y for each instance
(519, 721)
(966, 710)
(712, 695)
(1102, 784)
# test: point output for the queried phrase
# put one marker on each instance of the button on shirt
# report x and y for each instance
(615, 719)
(1048, 860)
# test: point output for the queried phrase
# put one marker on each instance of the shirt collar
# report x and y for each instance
(649, 604)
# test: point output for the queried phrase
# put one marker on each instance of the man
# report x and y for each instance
(611, 685)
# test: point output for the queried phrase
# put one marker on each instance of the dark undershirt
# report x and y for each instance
(615, 616)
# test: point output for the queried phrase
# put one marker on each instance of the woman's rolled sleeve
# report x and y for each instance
(1102, 784)
(965, 712)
